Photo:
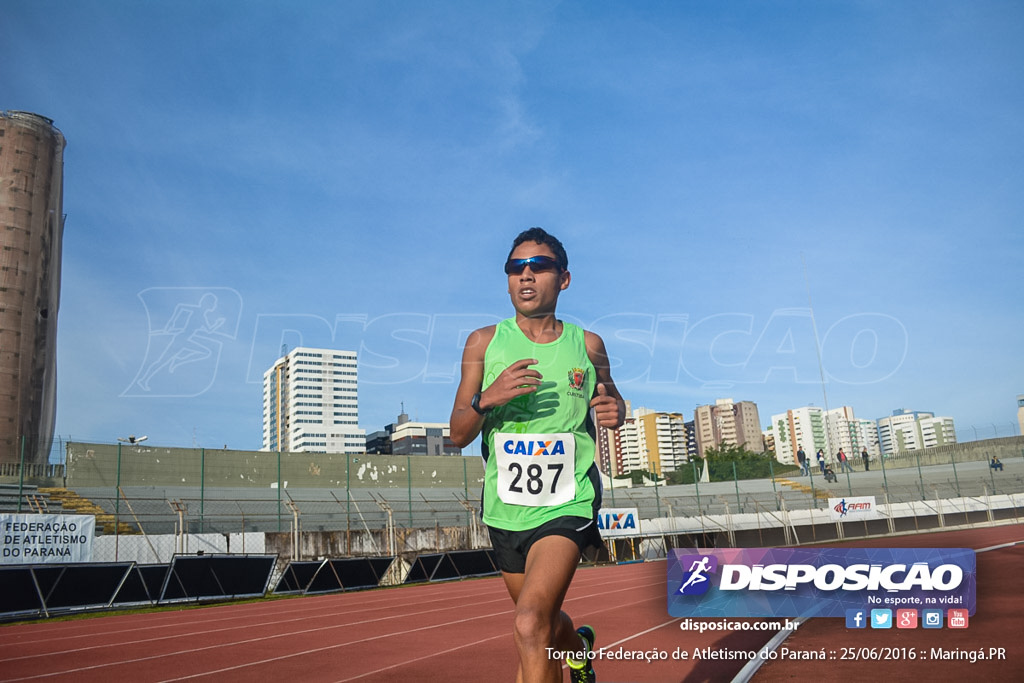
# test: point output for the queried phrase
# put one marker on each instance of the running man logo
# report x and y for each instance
(534, 447)
(695, 580)
(844, 508)
(852, 508)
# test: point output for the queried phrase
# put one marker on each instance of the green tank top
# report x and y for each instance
(539, 447)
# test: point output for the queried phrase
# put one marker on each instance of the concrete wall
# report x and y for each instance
(1005, 448)
(104, 465)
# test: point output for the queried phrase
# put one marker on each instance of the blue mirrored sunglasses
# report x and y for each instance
(538, 264)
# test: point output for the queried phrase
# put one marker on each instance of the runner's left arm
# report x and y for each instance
(609, 407)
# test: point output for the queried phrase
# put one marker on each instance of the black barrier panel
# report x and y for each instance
(297, 576)
(381, 565)
(355, 573)
(137, 589)
(154, 576)
(444, 570)
(421, 568)
(217, 576)
(80, 585)
(19, 592)
(326, 579)
(472, 563)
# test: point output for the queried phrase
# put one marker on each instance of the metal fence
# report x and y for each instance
(365, 504)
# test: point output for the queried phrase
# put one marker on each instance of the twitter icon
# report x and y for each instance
(881, 618)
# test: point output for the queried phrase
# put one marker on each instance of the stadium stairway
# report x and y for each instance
(26, 499)
(820, 492)
(71, 501)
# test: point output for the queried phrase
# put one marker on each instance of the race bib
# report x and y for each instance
(536, 470)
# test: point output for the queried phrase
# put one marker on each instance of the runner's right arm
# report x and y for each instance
(515, 380)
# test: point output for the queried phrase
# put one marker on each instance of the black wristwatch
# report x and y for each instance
(475, 403)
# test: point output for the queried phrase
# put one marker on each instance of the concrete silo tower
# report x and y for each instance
(31, 231)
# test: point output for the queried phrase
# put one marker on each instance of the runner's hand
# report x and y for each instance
(606, 408)
(516, 380)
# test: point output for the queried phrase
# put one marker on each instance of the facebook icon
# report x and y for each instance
(856, 618)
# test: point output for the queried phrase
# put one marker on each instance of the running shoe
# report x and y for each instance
(585, 673)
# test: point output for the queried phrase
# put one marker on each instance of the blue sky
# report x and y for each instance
(351, 175)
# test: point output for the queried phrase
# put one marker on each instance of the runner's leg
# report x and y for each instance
(539, 621)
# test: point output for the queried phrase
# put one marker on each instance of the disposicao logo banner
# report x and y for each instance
(818, 582)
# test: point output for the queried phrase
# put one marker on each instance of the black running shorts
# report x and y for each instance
(512, 547)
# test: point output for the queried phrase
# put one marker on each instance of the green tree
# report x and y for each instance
(748, 464)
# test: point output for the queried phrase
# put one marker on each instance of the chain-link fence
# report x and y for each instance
(317, 505)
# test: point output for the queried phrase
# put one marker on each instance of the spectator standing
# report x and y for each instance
(844, 462)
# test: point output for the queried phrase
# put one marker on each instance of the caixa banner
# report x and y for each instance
(819, 582)
(618, 521)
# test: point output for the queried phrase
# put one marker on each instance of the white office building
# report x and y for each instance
(632, 454)
(852, 435)
(653, 441)
(908, 430)
(311, 403)
(796, 429)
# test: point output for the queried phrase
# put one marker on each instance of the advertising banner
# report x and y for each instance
(42, 539)
(852, 508)
(818, 582)
(619, 521)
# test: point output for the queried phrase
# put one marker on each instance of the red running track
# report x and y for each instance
(438, 632)
(997, 623)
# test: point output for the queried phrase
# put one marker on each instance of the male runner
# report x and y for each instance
(534, 386)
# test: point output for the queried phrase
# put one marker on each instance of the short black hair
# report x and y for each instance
(541, 236)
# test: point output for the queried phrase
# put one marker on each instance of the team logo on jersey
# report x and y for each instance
(576, 378)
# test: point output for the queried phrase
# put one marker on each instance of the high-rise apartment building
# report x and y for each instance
(663, 439)
(796, 429)
(908, 430)
(608, 451)
(851, 434)
(311, 403)
(630, 451)
(651, 441)
(31, 233)
(728, 422)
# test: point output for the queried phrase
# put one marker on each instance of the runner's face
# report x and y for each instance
(535, 293)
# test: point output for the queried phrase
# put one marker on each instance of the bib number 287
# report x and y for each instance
(535, 480)
(536, 469)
